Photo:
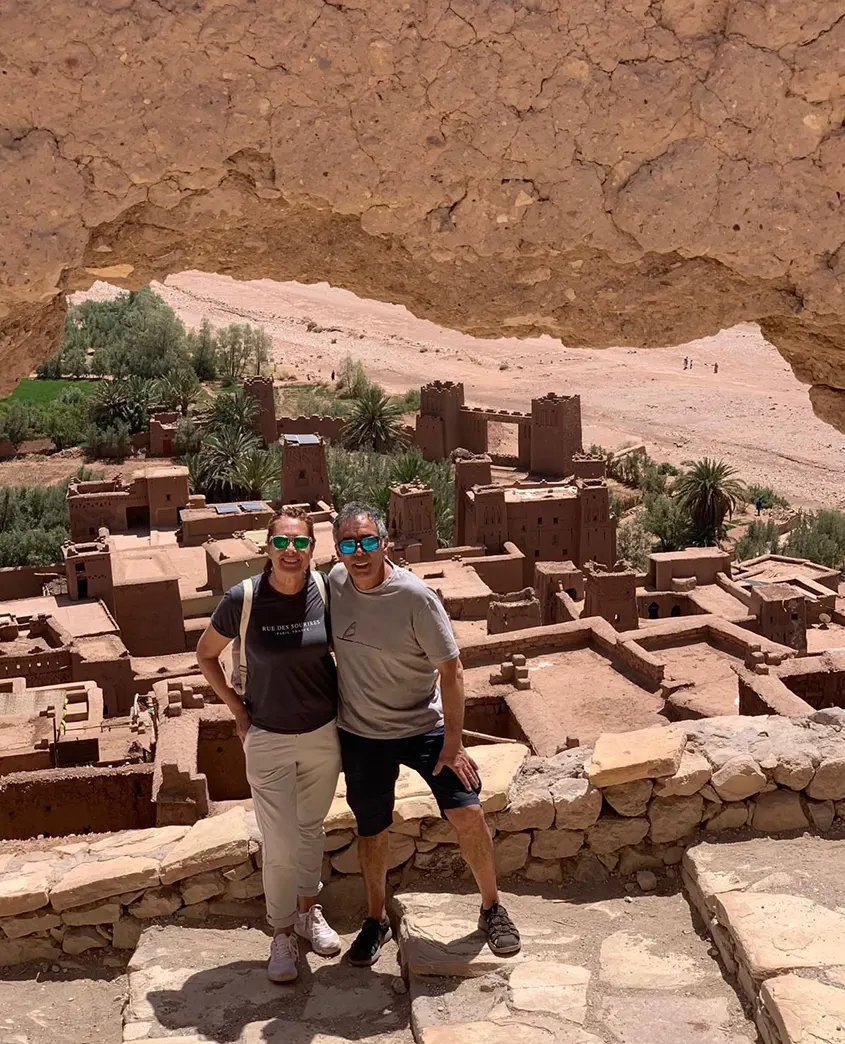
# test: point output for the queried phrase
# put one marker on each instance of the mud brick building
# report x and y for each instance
(152, 499)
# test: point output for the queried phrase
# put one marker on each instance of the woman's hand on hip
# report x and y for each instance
(242, 722)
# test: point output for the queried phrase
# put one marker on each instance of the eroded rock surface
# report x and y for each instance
(642, 174)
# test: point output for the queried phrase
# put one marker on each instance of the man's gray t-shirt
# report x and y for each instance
(386, 642)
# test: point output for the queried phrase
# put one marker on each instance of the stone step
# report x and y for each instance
(776, 911)
(211, 985)
(623, 970)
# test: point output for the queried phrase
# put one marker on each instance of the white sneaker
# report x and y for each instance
(316, 929)
(284, 953)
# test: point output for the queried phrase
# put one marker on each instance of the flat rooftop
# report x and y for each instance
(80, 618)
(238, 509)
(454, 579)
(520, 496)
(577, 693)
(143, 565)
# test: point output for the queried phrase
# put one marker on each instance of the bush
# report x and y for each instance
(65, 421)
(819, 536)
(760, 538)
(187, 438)
(352, 381)
(767, 495)
(669, 521)
(34, 522)
(368, 476)
(109, 440)
(51, 369)
(633, 543)
(19, 422)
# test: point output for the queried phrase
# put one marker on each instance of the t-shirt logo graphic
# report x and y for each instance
(349, 633)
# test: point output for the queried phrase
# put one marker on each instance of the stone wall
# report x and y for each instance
(60, 802)
(634, 802)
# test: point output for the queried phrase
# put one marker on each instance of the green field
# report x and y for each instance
(36, 392)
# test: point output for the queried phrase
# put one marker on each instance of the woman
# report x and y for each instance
(286, 721)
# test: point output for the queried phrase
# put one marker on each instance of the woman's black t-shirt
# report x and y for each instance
(291, 681)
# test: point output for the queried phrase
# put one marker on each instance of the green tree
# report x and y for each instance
(256, 474)
(74, 361)
(65, 421)
(760, 538)
(233, 351)
(257, 343)
(710, 493)
(234, 408)
(101, 361)
(352, 380)
(669, 521)
(819, 536)
(633, 543)
(202, 348)
(179, 390)
(50, 369)
(19, 422)
(221, 453)
(109, 440)
(375, 423)
(187, 438)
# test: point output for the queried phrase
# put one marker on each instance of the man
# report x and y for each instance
(393, 640)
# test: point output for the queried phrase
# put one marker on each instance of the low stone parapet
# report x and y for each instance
(633, 803)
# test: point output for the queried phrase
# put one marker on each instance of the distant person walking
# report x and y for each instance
(686, 362)
(759, 504)
(332, 376)
(284, 700)
(715, 367)
(690, 364)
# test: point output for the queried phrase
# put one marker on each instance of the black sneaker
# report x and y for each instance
(366, 948)
(502, 936)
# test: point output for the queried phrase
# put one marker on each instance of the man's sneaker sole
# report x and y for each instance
(332, 952)
(370, 961)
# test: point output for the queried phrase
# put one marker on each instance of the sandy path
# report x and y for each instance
(754, 413)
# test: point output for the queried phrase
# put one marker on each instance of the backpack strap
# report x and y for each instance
(320, 581)
(246, 612)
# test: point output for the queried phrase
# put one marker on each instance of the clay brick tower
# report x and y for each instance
(410, 518)
(305, 477)
(555, 433)
(781, 613)
(486, 518)
(597, 527)
(439, 419)
(261, 389)
(469, 472)
(611, 594)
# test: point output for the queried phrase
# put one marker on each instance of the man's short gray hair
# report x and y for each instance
(354, 509)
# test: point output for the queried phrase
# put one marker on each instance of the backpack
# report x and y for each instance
(239, 658)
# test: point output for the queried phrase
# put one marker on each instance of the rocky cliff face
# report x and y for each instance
(610, 173)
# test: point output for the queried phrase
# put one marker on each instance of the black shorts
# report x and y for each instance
(371, 767)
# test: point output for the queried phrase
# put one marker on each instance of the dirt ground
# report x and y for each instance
(753, 413)
(42, 469)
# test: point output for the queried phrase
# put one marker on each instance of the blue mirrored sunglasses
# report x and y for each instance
(367, 543)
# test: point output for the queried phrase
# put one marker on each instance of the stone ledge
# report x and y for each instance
(551, 824)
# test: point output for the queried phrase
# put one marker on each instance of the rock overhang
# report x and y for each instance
(616, 176)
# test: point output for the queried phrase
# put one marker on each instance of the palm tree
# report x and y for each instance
(235, 409)
(710, 493)
(221, 453)
(179, 390)
(375, 423)
(256, 474)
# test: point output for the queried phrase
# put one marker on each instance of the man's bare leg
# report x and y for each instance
(477, 849)
(373, 857)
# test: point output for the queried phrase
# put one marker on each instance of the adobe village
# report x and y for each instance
(653, 652)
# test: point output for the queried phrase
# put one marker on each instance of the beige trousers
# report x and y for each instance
(293, 780)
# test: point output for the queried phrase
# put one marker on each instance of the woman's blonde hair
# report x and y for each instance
(298, 515)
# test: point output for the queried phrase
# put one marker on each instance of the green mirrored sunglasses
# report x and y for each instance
(301, 543)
